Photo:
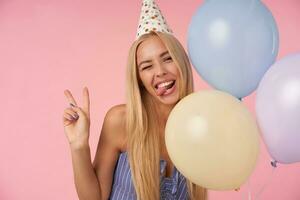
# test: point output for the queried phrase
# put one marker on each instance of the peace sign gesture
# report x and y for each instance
(76, 120)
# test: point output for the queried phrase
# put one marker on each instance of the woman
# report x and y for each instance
(131, 160)
(154, 58)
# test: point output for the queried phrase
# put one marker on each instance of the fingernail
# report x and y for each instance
(72, 105)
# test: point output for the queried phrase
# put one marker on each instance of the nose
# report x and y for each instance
(160, 71)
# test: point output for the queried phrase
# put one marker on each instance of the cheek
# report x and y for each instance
(174, 69)
(145, 79)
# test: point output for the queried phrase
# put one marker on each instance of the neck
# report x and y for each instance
(163, 114)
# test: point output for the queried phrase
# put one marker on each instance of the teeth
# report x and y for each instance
(164, 84)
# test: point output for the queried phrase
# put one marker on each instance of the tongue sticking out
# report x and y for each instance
(160, 91)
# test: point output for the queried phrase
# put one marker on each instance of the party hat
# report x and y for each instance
(151, 19)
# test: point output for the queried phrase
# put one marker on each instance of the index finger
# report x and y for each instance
(70, 97)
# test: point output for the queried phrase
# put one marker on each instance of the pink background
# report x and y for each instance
(49, 46)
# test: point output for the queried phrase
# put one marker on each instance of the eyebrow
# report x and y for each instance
(147, 61)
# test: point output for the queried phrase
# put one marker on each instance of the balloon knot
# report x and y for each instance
(274, 163)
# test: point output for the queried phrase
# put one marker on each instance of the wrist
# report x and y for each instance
(79, 146)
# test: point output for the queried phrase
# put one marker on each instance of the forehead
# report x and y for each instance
(149, 48)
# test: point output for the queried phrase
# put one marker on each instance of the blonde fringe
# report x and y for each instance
(143, 140)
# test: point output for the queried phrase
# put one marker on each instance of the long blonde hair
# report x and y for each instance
(143, 141)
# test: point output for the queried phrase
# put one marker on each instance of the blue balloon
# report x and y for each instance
(232, 44)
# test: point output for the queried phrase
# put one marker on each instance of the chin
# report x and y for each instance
(169, 100)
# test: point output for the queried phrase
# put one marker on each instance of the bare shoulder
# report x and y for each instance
(117, 110)
(111, 142)
(116, 120)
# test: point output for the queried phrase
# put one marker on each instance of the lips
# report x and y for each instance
(161, 90)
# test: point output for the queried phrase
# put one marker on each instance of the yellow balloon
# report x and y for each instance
(213, 140)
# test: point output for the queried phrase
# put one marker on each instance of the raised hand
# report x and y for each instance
(76, 120)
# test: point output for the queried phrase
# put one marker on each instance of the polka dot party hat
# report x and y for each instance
(151, 19)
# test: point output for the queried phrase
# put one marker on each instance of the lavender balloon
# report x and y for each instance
(278, 109)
